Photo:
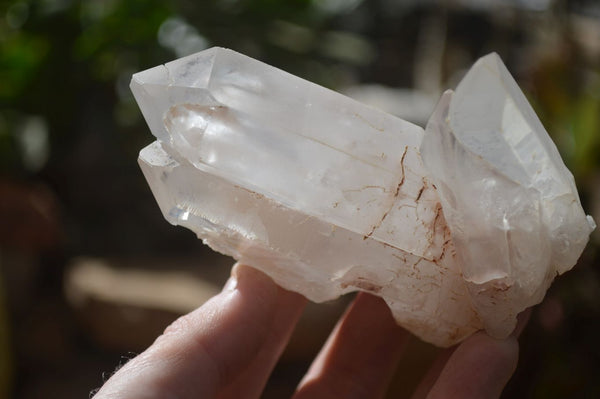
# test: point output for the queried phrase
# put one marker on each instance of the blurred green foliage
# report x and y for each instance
(57, 55)
(568, 101)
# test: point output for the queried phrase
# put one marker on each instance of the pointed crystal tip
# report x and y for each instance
(509, 200)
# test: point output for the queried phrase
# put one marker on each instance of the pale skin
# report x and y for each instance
(228, 347)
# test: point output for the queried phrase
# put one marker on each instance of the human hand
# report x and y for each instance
(228, 347)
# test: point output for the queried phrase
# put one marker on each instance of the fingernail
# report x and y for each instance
(232, 282)
(522, 320)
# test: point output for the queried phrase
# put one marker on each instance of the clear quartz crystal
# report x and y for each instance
(510, 202)
(328, 196)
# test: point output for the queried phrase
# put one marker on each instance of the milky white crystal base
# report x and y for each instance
(305, 254)
(328, 196)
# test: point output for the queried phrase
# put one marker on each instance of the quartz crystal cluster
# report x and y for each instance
(458, 227)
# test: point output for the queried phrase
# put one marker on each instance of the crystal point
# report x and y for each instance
(510, 203)
(328, 196)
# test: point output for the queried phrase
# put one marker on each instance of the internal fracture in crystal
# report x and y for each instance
(457, 228)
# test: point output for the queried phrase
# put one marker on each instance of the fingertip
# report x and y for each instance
(522, 320)
(480, 367)
(257, 286)
(500, 355)
(249, 277)
(237, 267)
(360, 355)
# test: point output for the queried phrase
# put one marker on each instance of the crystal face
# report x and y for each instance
(457, 229)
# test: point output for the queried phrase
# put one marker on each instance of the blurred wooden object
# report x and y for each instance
(125, 304)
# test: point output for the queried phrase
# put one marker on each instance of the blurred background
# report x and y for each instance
(90, 271)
